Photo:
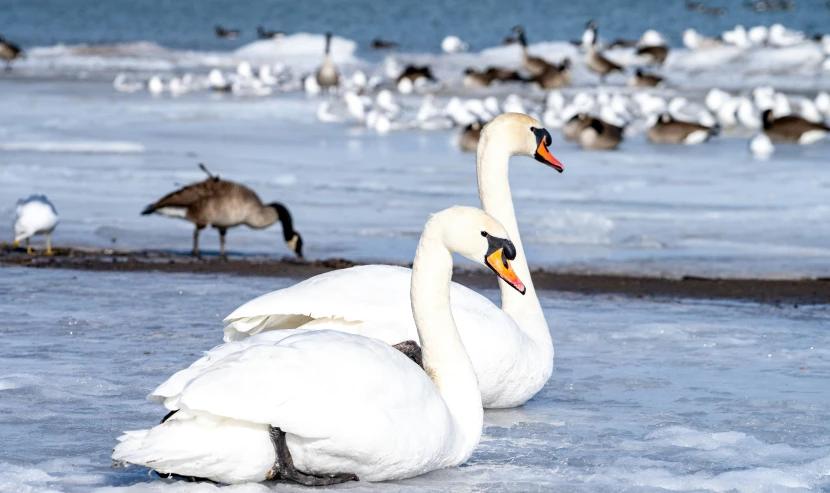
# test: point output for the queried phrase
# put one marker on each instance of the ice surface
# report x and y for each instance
(645, 395)
(102, 156)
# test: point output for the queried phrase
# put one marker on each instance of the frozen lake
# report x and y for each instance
(101, 156)
(645, 395)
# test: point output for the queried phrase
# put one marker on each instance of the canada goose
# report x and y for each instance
(327, 75)
(224, 204)
(643, 79)
(532, 65)
(574, 126)
(415, 72)
(598, 63)
(600, 136)
(504, 75)
(793, 129)
(262, 33)
(470, 137)
(475, 78)
(8, 52)
(379, 44)
(34, 215)
(221, 32)
(656, 54)
(668, 130)
(555, 76)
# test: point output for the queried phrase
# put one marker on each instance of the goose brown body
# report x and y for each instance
(792, 128)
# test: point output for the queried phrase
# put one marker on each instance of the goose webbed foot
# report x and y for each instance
(284, 466)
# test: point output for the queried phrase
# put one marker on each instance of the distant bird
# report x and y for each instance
(761, 146)
(453, 44)
(224, 204)
(327, 75)
(716, 11)
(379, 44)
(262, 33)
(793, 129)
(696, 6)
(8, 52)
(415, 72)
(589, 37)
(600, 136)
(504, 75)
(35, 215)
(622, 43)
(595, 61)
(223, 33)
(668, 130)
(476, 78)
(470, 137)
(532, 65)
(555, 76)
(643, 79)
(656, 54)
(575, 126)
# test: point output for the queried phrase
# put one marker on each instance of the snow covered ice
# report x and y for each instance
(645, 395)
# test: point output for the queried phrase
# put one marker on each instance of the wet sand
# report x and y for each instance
(768, 291)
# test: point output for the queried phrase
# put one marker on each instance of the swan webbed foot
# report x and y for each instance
(411, 350)
(284, 466)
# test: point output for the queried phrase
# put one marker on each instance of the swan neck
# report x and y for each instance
(492, 164)
(444, 356)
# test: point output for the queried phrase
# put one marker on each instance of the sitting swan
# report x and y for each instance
(251, 410)
(511, 347)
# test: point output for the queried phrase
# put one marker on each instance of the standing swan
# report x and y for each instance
(511, 347)
(224, 204)
(325, 407)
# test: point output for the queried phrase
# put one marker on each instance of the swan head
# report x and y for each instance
(522, 136)
(473, 233)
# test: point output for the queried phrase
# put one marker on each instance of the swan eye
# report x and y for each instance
(484, 234)
(533, 129)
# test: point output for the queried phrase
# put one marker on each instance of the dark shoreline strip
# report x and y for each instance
(767, 291)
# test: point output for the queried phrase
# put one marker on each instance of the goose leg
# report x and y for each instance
(222, 254)
(49, 244)
(195, 252)
(284, 466)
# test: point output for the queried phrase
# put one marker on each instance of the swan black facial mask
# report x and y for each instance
(543, 155)
(500, 252)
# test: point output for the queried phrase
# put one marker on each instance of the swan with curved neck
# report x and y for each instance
(511, 348)
(249, 411)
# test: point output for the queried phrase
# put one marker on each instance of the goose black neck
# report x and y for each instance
(285, 218)
(328, 43)
(522, 39)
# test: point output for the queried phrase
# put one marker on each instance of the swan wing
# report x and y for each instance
(314, 384)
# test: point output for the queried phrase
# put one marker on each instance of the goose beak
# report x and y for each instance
(501, 266)
(543, 155)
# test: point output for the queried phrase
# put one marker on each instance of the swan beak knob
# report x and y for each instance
(501, 266)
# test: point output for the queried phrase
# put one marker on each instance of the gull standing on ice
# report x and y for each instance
(35, 215)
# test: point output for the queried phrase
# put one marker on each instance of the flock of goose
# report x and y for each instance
(597, 118)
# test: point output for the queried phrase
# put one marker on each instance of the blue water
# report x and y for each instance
(417, 26)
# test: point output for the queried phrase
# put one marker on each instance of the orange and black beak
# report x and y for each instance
(499, 254)
(543, 155)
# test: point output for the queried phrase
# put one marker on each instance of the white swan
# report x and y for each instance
(511, 347)
(341, 404)
(35, 215)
